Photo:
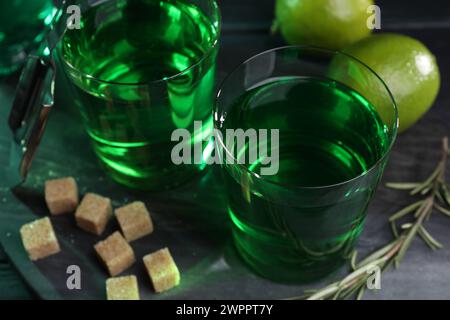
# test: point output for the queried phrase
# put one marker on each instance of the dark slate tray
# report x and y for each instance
(192, 220)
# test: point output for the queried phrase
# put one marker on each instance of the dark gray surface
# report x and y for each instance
(192, 220)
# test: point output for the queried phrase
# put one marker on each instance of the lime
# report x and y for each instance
(331, 24)
(407, 67)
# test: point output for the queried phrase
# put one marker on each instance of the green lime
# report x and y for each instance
(407, 67)
(331, 24)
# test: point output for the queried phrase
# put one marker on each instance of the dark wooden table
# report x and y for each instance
(192, 220)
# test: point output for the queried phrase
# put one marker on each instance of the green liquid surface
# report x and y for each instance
(329, 134)
(154, 62)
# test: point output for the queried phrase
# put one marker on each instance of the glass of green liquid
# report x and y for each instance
(336, 123)
(22, 28)
(140, 70)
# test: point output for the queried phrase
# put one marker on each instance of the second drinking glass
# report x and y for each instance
(336, 123)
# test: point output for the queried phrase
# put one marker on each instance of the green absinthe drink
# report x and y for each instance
(301, 223)
(142, 69)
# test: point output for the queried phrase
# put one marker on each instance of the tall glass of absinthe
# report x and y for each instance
(141, 69)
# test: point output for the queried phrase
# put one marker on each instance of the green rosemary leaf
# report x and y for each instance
(429, 240)
(442, 210)
(402, 185)
(406, 226)
(426, 190)
(424, 210)
(353, 260)
(338, 293)
(412, 231)
(394, 229)
(441, 198)
(444, 194)
(405, 211)
(396, 263)
(388, 265)
(427, 182)
(406, 244)
(377, 254)
(325, 292)
(349, 295)
(350, 292)
(361, 292)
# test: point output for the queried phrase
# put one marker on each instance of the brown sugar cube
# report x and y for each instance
(116, 253)
(134, 220)
(162, 270)
(39, 239)
(93, 213)
(122, 288)
(61, 195)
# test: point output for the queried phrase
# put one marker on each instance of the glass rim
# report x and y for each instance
(205, 56)
(299, 187)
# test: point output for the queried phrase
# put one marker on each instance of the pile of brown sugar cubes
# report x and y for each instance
(92, 215)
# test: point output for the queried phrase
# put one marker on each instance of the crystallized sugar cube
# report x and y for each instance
(93, 213)
(39, 239)
(116, 253)
(61, 195)
(162, 270)
(122, 288)
(134, 220)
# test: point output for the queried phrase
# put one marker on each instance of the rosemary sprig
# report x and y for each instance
(436, 197)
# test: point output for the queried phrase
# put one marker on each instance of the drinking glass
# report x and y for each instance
(22, 28)
(337, 122)
(138, 71)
